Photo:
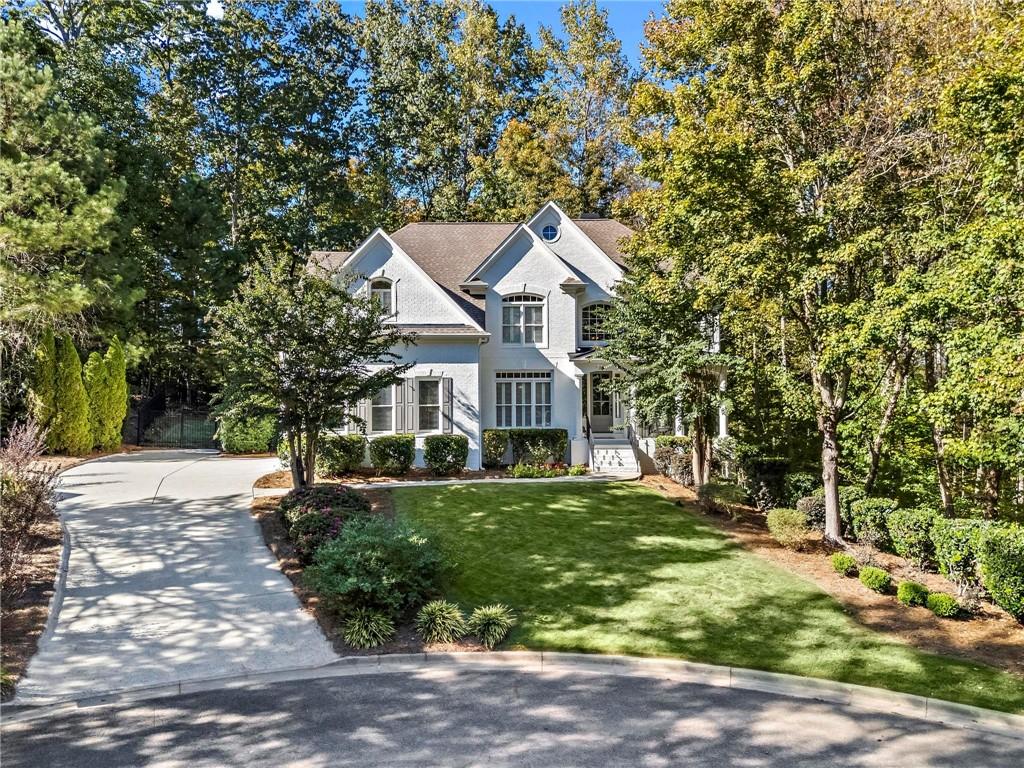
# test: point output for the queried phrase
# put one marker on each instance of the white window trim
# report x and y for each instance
(391, 431)
(391, 290)
(558, 232)
(439, 406)
(533, 378)
(542, 303)
(592, 342)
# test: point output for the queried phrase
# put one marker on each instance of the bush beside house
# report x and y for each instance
(393, 454)
(445, 454)
(340, 454)
(247, 435)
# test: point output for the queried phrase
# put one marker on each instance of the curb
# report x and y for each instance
(874, 700)
(592, 478)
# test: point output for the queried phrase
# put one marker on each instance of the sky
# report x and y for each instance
(626, 17)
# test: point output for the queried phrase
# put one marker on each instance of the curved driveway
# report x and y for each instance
(494, 718)
(168, 580)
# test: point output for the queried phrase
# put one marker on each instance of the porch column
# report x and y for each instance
(580, 383)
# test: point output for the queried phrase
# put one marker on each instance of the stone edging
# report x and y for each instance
(860, 697)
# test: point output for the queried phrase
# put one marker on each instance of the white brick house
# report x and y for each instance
(506, 322)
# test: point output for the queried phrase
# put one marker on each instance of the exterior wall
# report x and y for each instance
(416, 298)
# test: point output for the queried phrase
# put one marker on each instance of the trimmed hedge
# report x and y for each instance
(672, 457)
(943, 605)
(956, 545)
(445, 454)
(677, 442)
(340, 454)
(1001, 560)
(912, 593)
(844, 564)
(247, 435)
(869, 521)
(495, 444)
(787, 526)
(533, 446)
(393, 454)
(910, 532)
(875, 579)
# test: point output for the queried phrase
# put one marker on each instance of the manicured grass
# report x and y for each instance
(615, 568)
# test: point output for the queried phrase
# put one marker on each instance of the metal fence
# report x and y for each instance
(158, 421)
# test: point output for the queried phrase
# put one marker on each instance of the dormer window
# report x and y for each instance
(381, 292)
(549, 233)
(592, 328)
(522, 319)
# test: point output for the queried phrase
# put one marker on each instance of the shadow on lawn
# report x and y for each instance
(614, 568)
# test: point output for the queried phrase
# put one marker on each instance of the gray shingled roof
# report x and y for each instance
(607, 235)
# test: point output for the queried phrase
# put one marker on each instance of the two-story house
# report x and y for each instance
(507, 326)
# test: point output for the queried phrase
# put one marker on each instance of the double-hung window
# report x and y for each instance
(523, 399)
(382, 411)
(522, 319)
(381, 292)
(593, 322)
(428, 405)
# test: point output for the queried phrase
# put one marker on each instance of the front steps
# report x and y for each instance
(614, 456)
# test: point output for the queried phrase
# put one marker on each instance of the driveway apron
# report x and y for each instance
(168, 580)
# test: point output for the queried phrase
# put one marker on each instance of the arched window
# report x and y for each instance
(549, 233)
(381, 291)
(593, 321)
(522, 319)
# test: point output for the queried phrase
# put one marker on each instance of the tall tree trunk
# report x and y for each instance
(311, 439)
(931, 380)
(295, 459)
(830, 477)
(698, 451)
(896, 380)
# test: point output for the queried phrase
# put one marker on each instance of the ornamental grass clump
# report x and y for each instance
(367, 628)
(491, 624)
(844, 564)
(440, 622)
(875, 579)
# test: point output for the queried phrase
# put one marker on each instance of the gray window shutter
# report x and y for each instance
(410, 405)
(446, 405)
(400, 406)
(363, 412)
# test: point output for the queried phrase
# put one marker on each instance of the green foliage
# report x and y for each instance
(117, 396)
(957, 543)
(870, 521)
(522, 471)
(69, 429)
(247, 435)
(673, 459)
(340, 454)
(1001, 560)
(495, 445)
(43, 383)
(720, 498)
(813, 509)
(912, 593)
(797, 485)
(943, 605)
(376, 563)
(393, 454)
(844, 564)
(875, 579)
(491, 624)
(681, 443)
(367, 628)
(322, 498)
(538, 445)
(97, 392)
(787, 526)
(578, 470)
(311, 530)
(445, 454)
(910, 533)
(440, 622)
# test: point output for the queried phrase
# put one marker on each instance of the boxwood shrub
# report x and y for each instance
(912, 593)
(787, 526)
(1001, 560)
(247, 435)
(910, 531)
(943, 605)
(956, 543)
(875, 578)
(533, 446)
(681, 443)
(393, 454)
(445, 454)
(376, 563)
(495, 445)
(339, 454)
(869, 521)
(323, 499)
(844, 564)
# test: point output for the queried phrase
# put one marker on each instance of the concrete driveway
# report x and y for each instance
(494, 718)
(168, 580)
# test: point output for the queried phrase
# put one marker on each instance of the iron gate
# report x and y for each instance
(162, 422)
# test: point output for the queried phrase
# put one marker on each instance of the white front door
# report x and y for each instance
(600, 402)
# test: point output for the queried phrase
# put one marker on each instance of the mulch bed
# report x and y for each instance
(990, 636)
(24, 617)
(275, 534)
(283, 478)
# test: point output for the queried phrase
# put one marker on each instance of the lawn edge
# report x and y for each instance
(864, 698)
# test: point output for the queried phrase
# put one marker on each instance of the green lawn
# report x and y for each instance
(615, 568)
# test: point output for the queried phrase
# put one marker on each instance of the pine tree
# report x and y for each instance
(97, 389)
(69, 429)
(43, 374)
(117, 396)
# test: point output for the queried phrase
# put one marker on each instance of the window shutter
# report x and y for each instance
(410, 405)
(446, 404)
(400, 406)
(363, 412)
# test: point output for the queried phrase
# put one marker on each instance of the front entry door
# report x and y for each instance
(600, 402)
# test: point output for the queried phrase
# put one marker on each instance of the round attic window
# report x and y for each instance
(550, 232)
